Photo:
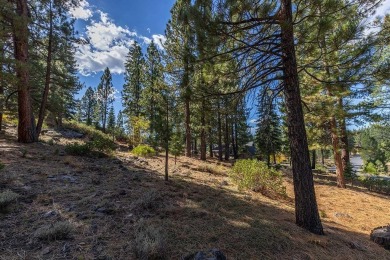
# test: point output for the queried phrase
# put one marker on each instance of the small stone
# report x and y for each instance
(49, 214)
(46, 250)
(342, 215)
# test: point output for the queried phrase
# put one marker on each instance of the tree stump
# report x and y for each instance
(381, 236)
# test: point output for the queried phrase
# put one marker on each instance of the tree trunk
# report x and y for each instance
(345, 160)
(26, 124)
(219, 132)
(188, 127)
(227, 146)
(322, 157)
(167, 142)
(211, 149)
(45, 94)
(306, 210)
(235, 153)
(1, 85)
(337, 153)
(313, 159)
(203, 146)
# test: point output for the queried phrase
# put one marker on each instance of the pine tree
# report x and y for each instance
(88, 104)
(105, 96)
(268, 133)
(152, 99)
(134, 82)
(111, 121)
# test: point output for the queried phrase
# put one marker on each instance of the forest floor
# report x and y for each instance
(120, 207)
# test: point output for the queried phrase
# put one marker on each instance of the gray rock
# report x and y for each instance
(46, 250)
(49, 214)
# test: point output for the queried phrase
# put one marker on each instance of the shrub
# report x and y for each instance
(78, 149)
(255, 175)
(148, 201)
(376, 184)
(210, 169)
(7, 198)
(98, 141)
(56, 231)
(143, 150)
(149, 241)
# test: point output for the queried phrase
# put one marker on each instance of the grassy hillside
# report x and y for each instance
(119, 207)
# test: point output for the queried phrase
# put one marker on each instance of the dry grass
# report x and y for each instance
(121, 208)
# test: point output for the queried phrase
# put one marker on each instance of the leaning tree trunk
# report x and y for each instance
(306, 210)
(26, 124)
(45, 94)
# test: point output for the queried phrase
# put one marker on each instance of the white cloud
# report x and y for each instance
(159, 40)
(108, 43)
(82, 11)
(104, 33)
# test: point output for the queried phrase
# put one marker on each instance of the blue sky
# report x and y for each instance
(110, 27)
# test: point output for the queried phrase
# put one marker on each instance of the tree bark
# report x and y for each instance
(167, 142)
(1, 85)
(345, 160)
(26, 124)
(45, 94)
(219, 132)
(337, 153)
(188, 127)
(227, 146)
(313, 159)
(203, 146)
(306, 210)
(235, 153)
(322, 157)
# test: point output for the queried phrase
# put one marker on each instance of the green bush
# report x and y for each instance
(98, 141)
(78, 149)
(255, 175)
(2, 166)
(56, 231)
(7, 198)
(143, 150)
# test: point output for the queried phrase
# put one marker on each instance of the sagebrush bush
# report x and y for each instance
(77, 149)
(2, 166)
(143, 150)
(7, 198)
(148, 201)
(210, 169)
(255, 175)
(149, 241)
(56, 231)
